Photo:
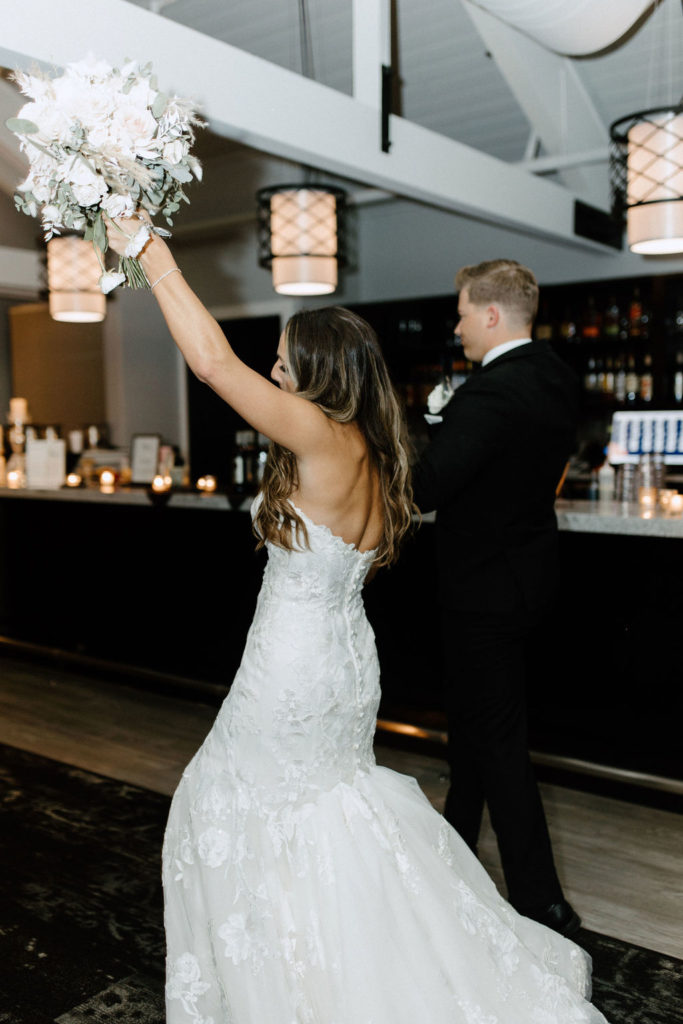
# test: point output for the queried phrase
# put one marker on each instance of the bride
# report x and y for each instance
(303, 883)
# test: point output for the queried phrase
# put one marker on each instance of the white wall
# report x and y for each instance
(408, 250)
(141, 371)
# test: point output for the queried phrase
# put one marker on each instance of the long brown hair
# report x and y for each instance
(335, 360)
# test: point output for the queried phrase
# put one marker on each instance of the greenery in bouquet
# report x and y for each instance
(104, 142)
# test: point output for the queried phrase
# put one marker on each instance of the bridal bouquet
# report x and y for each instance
(104, 141)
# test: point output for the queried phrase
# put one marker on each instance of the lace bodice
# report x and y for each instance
(286, 729)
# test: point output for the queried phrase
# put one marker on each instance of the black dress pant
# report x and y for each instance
(488, 748)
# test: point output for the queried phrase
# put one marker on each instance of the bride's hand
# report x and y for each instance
(128, 236)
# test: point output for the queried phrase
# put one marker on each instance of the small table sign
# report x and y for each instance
(45, 463)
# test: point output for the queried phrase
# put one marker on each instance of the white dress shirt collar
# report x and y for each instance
(500, 350)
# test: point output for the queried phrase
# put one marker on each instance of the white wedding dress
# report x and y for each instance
(306, 885)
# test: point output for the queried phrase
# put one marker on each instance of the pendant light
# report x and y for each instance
(301, 226)
(646, 154)
(73, 274)
(300, 236)
(646, 163)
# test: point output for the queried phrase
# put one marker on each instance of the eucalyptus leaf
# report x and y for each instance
(100, 234)
(159, 105)
(21, 126)
(181, 173)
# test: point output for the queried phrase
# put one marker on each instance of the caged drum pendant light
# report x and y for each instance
(73, 274)
(646, 165)
(301, 227)
(301, 236)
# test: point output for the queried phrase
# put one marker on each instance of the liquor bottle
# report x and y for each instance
(74, 449)
(590, 377)
(600, 374)
(620, 379)
(568, 331)
(646, 379)
(606, 481)
(609, 377)
(632, 381)
(263, 444)
(611, 319)
(635, 315)
(591, 321)
(242, 475)
(238, 487)
(678, 379)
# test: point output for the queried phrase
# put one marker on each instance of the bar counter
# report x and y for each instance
(611, 517)
(161, 587)
(626, 520)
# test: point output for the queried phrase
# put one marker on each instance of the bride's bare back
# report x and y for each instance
(340, 489)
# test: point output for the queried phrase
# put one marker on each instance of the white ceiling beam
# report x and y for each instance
(261, 105)
(371, 49)
(560, 162)
(549, 90)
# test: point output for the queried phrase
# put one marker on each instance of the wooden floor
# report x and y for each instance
(620, 863)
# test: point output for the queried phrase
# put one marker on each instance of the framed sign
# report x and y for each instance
(144, 457)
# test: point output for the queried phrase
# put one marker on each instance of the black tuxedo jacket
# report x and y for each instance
(491, 473)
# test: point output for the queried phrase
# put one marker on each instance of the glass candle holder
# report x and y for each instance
(647, 498)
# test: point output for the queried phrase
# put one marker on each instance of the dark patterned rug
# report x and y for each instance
(81, 908)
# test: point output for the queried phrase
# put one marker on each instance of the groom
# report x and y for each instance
(491, 474)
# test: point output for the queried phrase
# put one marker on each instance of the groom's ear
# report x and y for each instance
(492, 315)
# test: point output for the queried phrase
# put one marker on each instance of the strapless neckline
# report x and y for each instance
(335, 536)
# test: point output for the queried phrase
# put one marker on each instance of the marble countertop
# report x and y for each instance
(576, 516)
(615, 518)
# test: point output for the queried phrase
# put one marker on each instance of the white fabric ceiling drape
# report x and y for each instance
(577, 27)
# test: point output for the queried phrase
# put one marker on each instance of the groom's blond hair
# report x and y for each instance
(505, 282)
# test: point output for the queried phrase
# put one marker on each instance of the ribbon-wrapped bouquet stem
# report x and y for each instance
(104, 142)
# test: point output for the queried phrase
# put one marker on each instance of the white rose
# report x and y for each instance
(439, 397)
(141, 95)
(51, 215)
(79, 172)
(88, 195)
(134, 130)
(87, 186)
(116, 205)
(96, 107)
(53, 124)
(109, 280)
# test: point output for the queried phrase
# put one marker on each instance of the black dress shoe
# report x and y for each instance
(561, 917)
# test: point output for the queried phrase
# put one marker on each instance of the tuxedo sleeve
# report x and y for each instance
(475, 428)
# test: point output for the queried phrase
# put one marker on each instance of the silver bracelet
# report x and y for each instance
(165, 274)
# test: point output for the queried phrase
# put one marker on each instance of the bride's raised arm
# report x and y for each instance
(284, 417)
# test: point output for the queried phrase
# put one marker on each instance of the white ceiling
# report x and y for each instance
(447, 81)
